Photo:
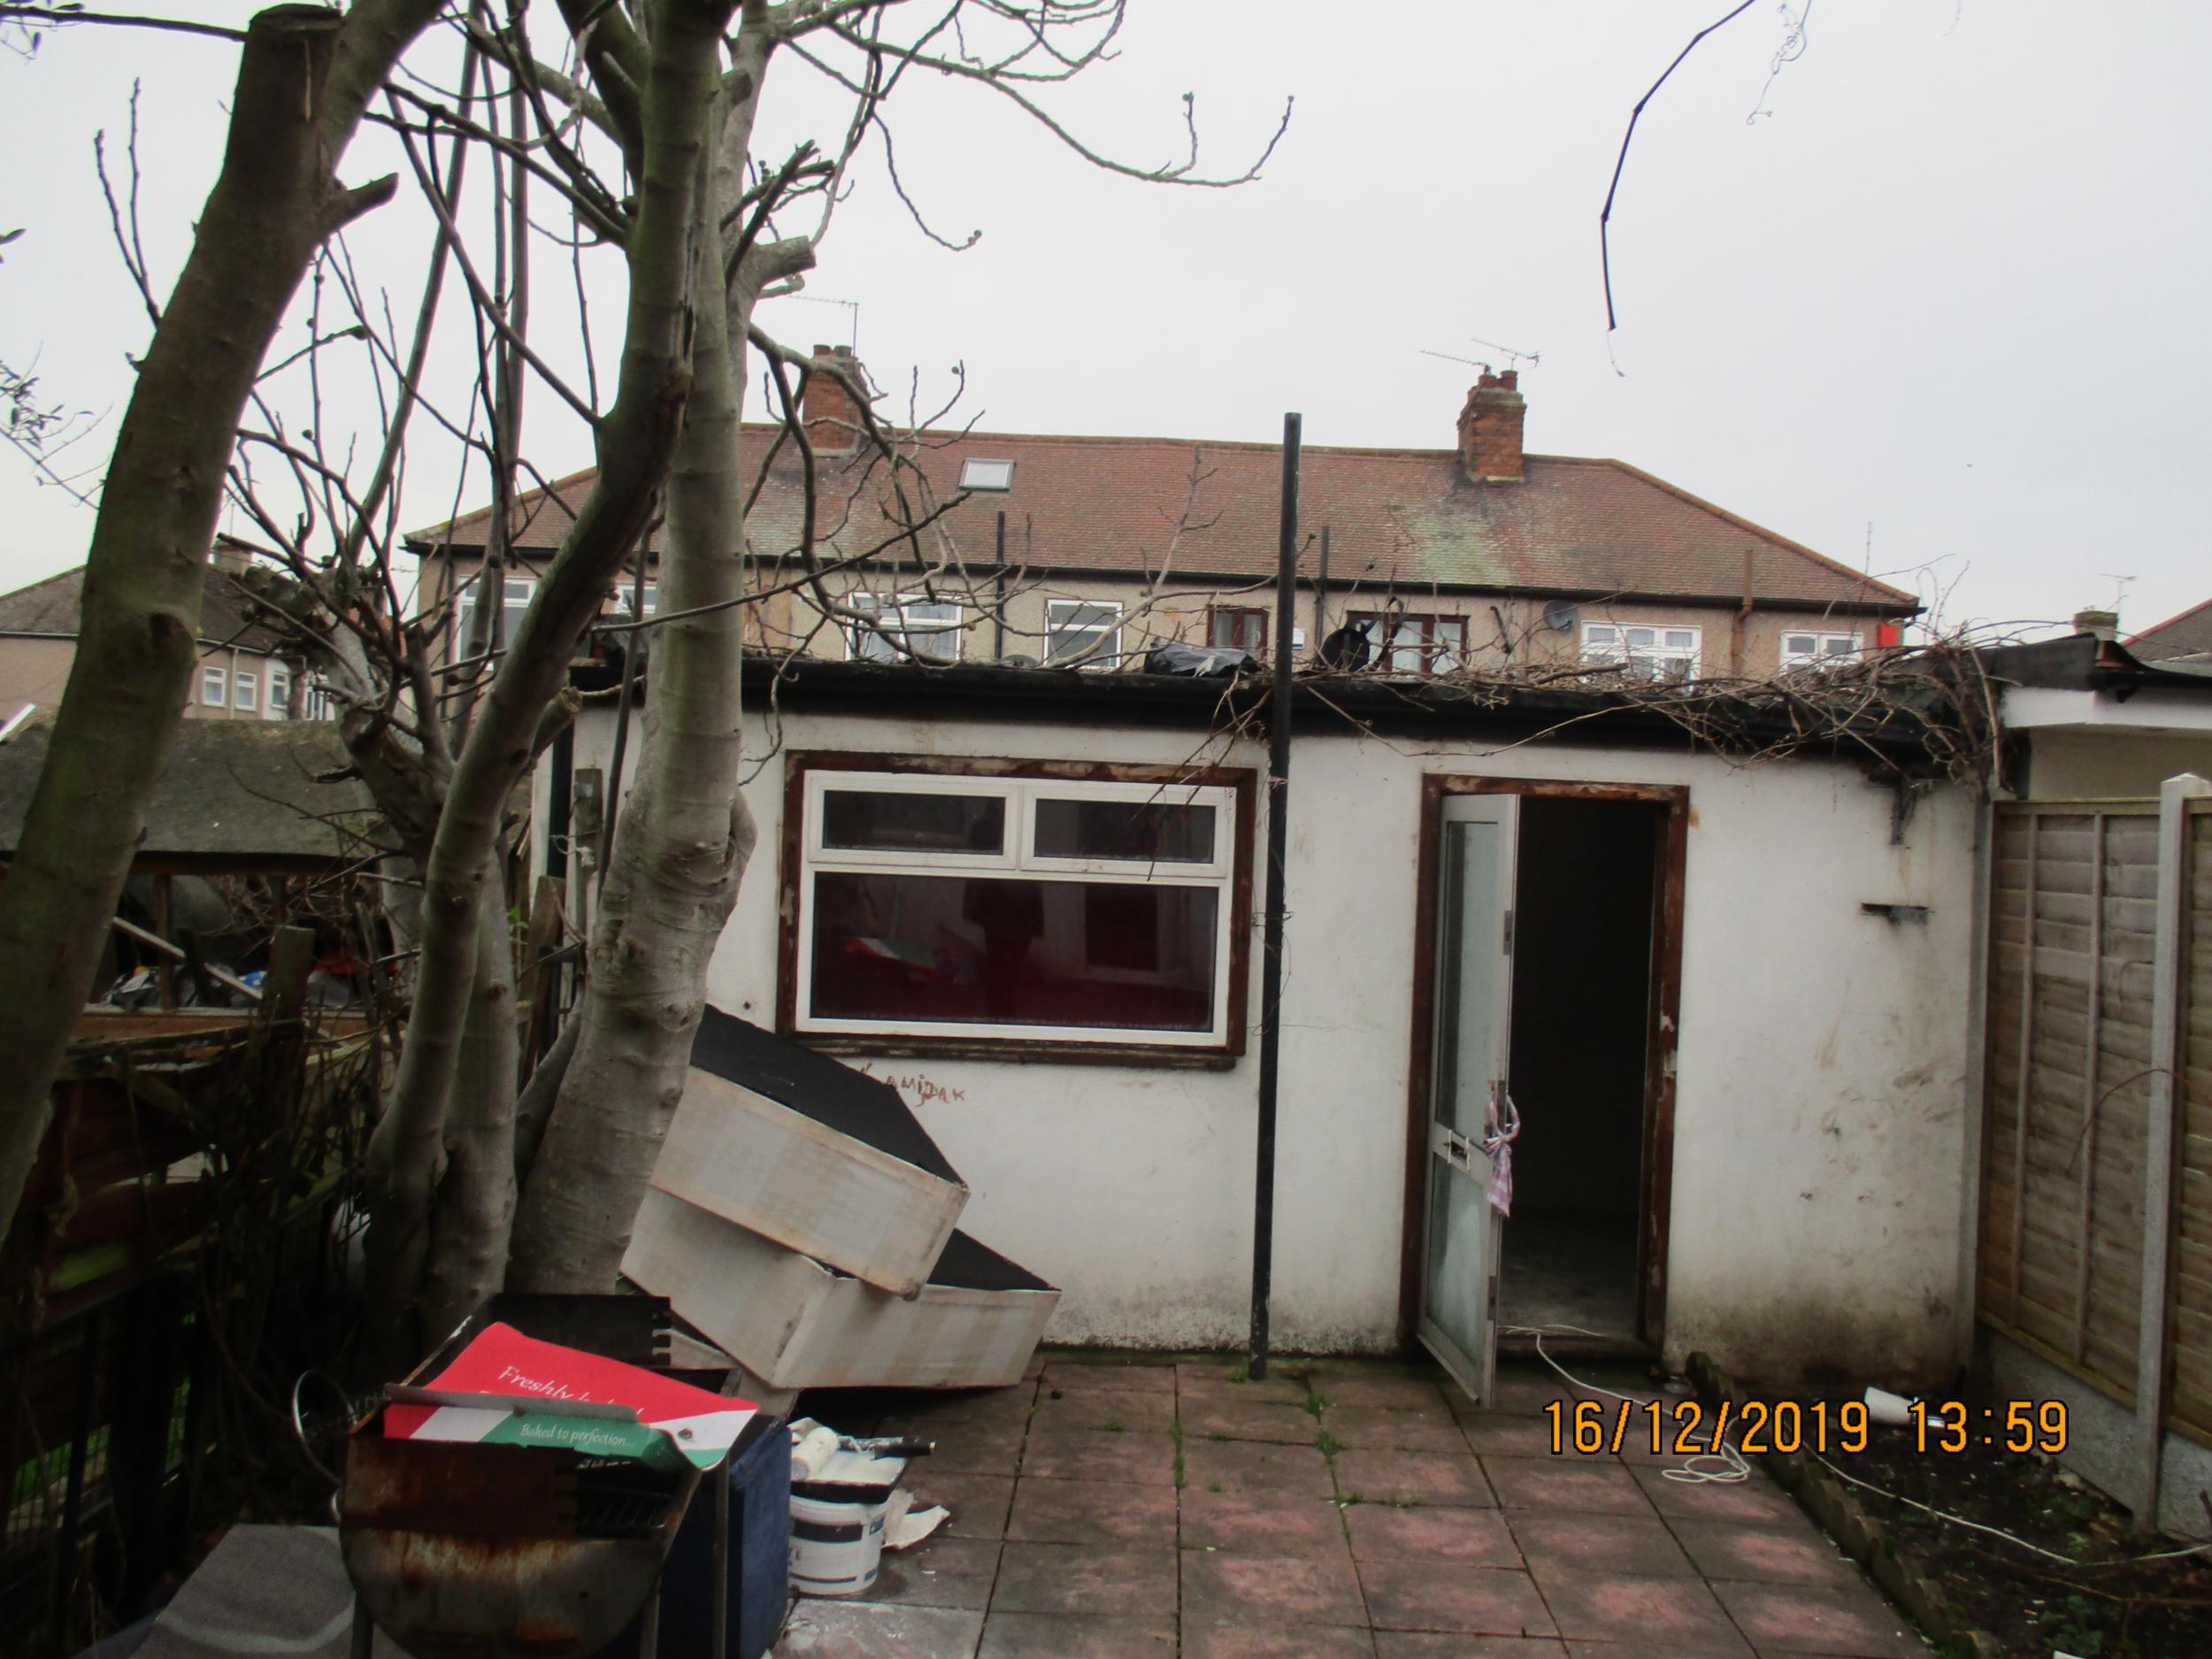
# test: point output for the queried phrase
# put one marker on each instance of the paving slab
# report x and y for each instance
(1755, 1501)
(1763, 1555)
(1155, 1377)
(1222, 1588)
(1261, 1522)
(1370, 1428)
(1672, 1613)
(1453, 1479)
(862, 1630)
(1389, 1391)
(1216, 1419)
(1841, 1618)
(1118, 1580)
(1074, 1636)
(1302, 1642)
(1417, 1644)
(1729, 1647)
(1048, 1512)
(1598, 1544)
(1576, 1485)
(1500, 1435)
(1147, 1410)
(965, 1446)
(941, 1571)
(1431, 1596)
(978, 1503)
(1467, 1537)
(1255, 1466)
(1132, 1456)
(1229, 1383)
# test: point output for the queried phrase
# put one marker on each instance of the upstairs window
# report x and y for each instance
(1237, 628)
(214, 687)
(926, 630)
(951, 905)
(279, 692)
(517, 592)
(1415, 645)
(1082, 633)
(1818, 651)
(1649, 653)
(245, 691)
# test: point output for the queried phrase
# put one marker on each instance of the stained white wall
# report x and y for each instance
(1820, 1133)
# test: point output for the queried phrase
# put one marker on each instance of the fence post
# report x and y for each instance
(2160, 1136)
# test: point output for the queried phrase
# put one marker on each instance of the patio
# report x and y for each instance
(1336, 1510)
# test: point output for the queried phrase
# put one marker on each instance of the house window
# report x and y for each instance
(517, 590)
(991, 475)
(214, 687)
(624, 592)
(279, 692)
(927, 630)
(1818, 651)
(1238, 628)
(1651, 653)
(1082, 633)
(943, 905)
(245, 691)
(1416, 645)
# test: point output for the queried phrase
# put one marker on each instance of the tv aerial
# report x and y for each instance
(1513, 358)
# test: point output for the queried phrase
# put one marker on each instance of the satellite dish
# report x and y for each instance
(1561, 615)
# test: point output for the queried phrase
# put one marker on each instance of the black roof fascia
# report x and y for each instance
(2082, 662)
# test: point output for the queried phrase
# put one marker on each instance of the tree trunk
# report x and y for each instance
(684, 836)
(636, 439)
(476, 1201)
(302, 75)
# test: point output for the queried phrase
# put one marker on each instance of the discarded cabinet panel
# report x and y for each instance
(810, 1154)
(794, 1323)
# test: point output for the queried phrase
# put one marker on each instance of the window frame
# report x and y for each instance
(809, 774)
(471, 590)
(1426, 624)
(902, 649)
(1658, 652)
(218, 676)
(1240, 619)
(1819, 656)
(245, 691)
(1111, 659)
(277, 707)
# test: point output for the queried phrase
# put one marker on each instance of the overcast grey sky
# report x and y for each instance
(1949, 286)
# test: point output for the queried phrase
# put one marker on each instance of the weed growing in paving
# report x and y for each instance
(1316, 1403)
(1329, 1444)
(1175, 1429)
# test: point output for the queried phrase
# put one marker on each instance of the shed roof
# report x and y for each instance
(1408, 518)
(2188, 635)
(244, 794)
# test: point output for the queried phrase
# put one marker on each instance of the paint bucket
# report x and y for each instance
(835, 1547)
(1892, 1411)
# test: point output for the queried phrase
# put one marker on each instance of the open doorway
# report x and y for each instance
(1585, 911)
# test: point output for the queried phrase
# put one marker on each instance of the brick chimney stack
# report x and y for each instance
(832, 416)
(2104, 623)
(1490, 429)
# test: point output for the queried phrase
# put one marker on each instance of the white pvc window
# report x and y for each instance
(1416, 645)
(986, 475)
(214, 687)
(908, 625)
(279, 692)
(1082, 633)
(245, 691)
(1656, 653)
(1818, 651)
(515, 600)
(939, 905)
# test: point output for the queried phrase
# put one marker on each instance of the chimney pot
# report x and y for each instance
(2104, 623)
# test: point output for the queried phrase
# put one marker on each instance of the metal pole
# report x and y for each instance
(1272, 949)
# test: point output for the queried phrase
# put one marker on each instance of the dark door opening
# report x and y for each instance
(1584, 921)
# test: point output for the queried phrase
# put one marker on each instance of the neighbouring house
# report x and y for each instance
(1086, 551)
(2187, 636)
(1726, 992)
(245, 671)
(2086, 718)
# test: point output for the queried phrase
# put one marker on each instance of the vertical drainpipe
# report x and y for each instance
(1321, 596)
(1278, 842)
(998, 592)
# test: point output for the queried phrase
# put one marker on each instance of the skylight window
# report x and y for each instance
(976, 474)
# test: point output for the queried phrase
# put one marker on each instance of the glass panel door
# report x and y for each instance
(1474, 987)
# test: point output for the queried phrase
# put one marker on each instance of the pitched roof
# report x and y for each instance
(55, 606)
(235, 792)
(2188, 635)
(1408, 518)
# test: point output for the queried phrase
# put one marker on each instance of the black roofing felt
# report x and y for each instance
(833, 1094)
